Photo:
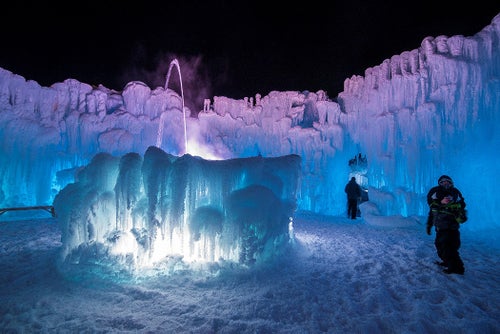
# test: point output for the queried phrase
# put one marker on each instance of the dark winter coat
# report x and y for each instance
(446, 216)
(353, 190)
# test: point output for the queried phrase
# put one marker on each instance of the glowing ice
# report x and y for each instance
(417, 115)
(140, 212)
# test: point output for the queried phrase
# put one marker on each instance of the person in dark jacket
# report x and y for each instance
(447, 212)
(353, 191)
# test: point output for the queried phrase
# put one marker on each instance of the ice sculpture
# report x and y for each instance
(140, 212)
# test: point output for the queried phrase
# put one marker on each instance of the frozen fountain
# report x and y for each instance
(160, 212)
(160, 125)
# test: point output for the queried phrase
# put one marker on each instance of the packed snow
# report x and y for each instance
(340, 276)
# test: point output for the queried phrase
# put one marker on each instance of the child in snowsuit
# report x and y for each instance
(447, 212)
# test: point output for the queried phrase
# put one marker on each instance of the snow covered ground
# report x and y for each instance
(341, 276)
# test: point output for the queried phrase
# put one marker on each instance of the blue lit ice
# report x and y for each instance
(138, 213)
(426, 112)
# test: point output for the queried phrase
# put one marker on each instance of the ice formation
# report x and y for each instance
(141, 212)
(426, 112)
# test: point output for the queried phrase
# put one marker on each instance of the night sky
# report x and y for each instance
(225, 48)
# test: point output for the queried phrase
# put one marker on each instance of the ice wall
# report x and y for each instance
(431, 111)
(420, 114)
(141, 212)
(48, 132)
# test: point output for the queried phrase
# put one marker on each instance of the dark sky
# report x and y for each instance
(225, 48)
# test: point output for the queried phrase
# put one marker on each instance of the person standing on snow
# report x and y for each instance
(353, 191)
(447, 212)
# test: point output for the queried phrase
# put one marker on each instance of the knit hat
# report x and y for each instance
(443, 178)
